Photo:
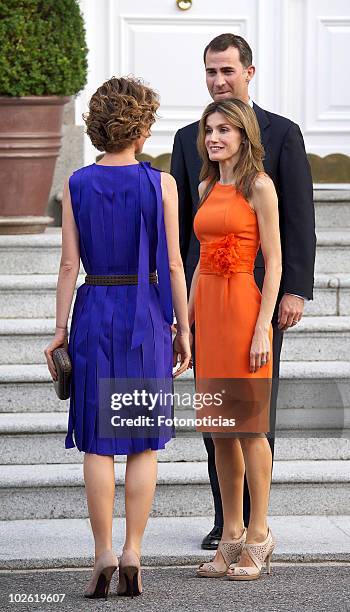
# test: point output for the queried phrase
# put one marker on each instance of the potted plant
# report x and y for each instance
(43, 61)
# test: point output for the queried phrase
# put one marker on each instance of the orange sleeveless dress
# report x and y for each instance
(227, 304)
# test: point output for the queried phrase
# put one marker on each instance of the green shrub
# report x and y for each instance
(43, 49)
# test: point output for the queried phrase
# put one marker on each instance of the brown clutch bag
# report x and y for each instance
(63, 367)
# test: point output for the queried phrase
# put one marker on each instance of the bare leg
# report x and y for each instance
(100, 488)
(140, 484)
(258, 462)
(230, 469)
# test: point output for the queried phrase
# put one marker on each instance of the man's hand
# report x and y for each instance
(290, 311)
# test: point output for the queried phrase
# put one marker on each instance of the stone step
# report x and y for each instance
(29, 295)
(333, 250)
(37, 438)
(28, 388)
(31, 253)
(332, 208)
(40, 253)
(331, 296)
(313, 396)
(317, 339)
(67, 543)
(34, 295)
(57, 491)
(22, 341)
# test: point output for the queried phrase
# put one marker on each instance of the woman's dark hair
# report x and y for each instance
(120, 111)
(224, 41)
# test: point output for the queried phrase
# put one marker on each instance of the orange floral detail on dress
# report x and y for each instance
(224, 255)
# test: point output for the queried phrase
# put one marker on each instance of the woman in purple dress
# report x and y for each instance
(120, 218)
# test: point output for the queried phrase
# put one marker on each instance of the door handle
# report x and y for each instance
(184, 5)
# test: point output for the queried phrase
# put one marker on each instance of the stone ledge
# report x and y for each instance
(195, 473)
(332, 195)
(333, 237)
(49, 281)
(62, 543)
(310, 324)
(17, 373)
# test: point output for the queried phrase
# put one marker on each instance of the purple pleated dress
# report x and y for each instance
(118, 331)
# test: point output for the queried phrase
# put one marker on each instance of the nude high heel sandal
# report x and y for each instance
(100, 580)
(259, 554)
(130, 584)
(230, 552)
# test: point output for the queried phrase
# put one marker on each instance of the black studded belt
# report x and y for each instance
(117, 279)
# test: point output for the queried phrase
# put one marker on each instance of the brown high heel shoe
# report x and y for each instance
(230, 552)
(105, 566)
(130, 584)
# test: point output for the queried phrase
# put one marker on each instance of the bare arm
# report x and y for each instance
(177, 275)
(266, 207)
(195, 277)
(70, 261)
(264, 201)
(191, 302)
(67, 277)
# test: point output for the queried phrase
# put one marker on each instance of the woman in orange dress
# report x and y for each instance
(238, 213)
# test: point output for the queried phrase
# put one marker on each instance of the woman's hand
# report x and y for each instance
(181, 352)
(259, 350)
(60, 339)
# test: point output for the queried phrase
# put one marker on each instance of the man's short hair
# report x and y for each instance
(224, 41)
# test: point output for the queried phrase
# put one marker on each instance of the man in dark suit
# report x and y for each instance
(228, 64)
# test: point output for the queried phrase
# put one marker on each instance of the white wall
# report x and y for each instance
(300, 50)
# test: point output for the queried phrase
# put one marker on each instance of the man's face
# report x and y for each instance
(226, 76)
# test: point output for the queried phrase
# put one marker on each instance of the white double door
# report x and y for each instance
(297, 45)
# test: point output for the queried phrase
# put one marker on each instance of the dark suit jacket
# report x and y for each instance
(286, 163)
